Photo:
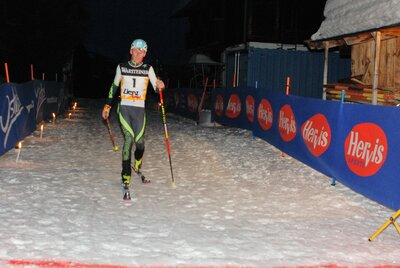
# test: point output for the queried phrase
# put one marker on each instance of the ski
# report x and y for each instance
(141, 176)
(127, 193)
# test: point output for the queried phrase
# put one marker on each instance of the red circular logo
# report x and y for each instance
(192, 103)
(250, 108)
(264, 114)
(287, 123)
(316, 134)
(219, 105)
(234, 106)
(365, 149)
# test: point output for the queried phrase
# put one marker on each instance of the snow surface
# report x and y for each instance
(237, 201)
(343, 17)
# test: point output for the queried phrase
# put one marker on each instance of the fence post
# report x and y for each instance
(7, 76)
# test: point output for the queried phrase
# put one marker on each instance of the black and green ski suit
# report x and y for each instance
(132, 80)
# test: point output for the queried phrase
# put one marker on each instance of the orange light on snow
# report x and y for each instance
(41, 130)
(19, 147)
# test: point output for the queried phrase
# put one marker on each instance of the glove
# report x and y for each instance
(106, 111)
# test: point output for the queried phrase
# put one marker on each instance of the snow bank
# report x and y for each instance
(343, 17)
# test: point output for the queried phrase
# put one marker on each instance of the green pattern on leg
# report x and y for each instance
(138, 164)
(141, 133)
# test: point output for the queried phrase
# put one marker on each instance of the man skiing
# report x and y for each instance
(132, 78)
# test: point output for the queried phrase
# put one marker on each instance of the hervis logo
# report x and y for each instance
(264, 114)
(316, 134)
(219, 105)
(365, 149)
(192, 103)
(234, 106)
(286, 123)
(250, 108)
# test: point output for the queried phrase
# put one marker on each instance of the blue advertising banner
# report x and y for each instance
(184, 101)
(234, 107)
(356, 144)
(53, 98)
(23, 106)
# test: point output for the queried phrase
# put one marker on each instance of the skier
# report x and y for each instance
(132, 78)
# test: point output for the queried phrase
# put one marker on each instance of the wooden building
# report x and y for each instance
(375, 55)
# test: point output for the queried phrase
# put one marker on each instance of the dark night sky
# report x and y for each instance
(116, 23)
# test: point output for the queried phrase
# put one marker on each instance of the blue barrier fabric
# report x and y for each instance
(235, 109)
(356, 144)
(184, 101)
(23, 106)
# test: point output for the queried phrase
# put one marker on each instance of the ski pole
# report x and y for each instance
(164, 117)
(111, 135)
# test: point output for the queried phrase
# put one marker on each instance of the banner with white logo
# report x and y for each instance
(23, 106)
(356, 144)
(184, 101)
(234, 107)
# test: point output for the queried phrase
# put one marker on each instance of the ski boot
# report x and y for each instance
(136, 169)
(126, 180)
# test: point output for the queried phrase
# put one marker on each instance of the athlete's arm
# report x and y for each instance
(155, 82)
(115, 85)
(153, 78)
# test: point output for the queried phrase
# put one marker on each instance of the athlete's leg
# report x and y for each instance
(126, 151)
(139, 140)
(124, 115)
(139, 152)
(139, 158)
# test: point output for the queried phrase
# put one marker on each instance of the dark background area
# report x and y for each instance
(42, 33)
(83, 41)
